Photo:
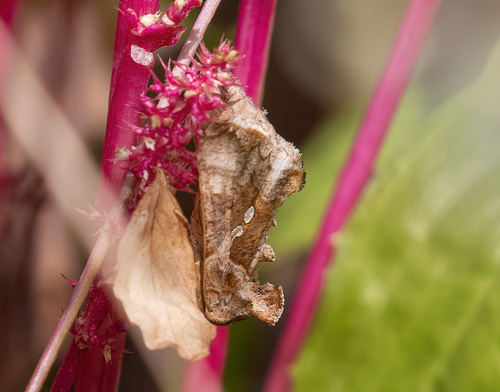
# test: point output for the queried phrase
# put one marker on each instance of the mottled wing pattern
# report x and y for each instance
(246, 172)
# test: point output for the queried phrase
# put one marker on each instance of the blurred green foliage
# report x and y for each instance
(411, 303)
(323, 157)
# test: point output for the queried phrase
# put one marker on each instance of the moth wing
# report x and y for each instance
(246, 172)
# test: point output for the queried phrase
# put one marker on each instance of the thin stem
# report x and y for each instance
(72, 308)
(355, 175)
(195, 36)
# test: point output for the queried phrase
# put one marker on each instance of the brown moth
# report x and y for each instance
(246, 172)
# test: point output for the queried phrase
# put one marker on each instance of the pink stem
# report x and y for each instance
(129, 81)
(8, 11)
(69, 368)
(355, 175)
(253, 40)
(206, 375)
(195, 36)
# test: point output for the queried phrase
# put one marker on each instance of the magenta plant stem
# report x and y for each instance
(69, 367)
(354, 177)
(8, 11)
(129, 81)
(253, 39)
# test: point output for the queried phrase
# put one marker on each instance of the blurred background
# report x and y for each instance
(411, 301)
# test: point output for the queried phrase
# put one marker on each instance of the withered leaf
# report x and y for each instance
(156, 277)
(246, 172)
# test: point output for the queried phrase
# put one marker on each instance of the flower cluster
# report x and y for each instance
(173, 120)
(154, 31)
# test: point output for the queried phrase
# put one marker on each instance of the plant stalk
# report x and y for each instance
(253, 39)
(352, 181)
(195, 36)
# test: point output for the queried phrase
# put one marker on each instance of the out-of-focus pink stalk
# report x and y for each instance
(8, 10)
(253, 39)
(206, 375)
(18, 265)
(355, 175)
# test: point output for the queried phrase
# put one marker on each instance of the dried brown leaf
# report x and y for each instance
(157, 279)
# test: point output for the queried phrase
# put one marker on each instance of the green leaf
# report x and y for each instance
(301, 215)
(411, 303)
